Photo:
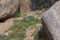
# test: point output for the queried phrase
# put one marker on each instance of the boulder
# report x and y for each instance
(51, 22)
(8, 8)
(7, 24)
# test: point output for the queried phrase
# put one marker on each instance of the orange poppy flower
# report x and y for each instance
(30, 33)
(16, 28)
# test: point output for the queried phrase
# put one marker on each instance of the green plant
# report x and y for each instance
(17, 14)
(18, 30)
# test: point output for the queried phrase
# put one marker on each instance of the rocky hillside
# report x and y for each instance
(21, 19)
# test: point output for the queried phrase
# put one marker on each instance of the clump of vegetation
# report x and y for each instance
(42, 34)
(17, 15)
(18, 30)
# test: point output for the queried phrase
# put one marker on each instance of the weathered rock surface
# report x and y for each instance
(8, 8)
(7, 24)
(51, 22)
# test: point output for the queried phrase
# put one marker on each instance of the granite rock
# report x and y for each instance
(8, 8)
(51, 22)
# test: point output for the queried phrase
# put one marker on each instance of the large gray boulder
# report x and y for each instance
(8, 8)
(51, 22)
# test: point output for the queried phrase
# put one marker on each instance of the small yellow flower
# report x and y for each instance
(10, 32)
(7, 33)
